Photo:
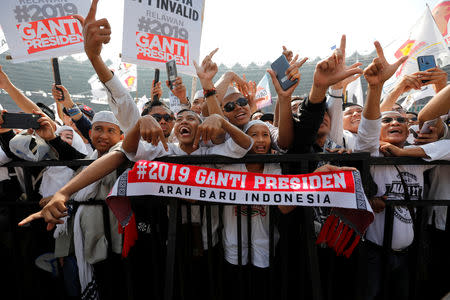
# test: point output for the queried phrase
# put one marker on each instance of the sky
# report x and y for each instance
(255, 30)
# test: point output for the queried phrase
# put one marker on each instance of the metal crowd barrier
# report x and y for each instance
(180, 267)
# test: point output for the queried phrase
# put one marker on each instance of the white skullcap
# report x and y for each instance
(105, 116)
(199, 94)
(390, 112)
(254, 122)
(77, 141)
(230, 91)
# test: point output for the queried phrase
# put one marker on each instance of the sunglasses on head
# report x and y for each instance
(390, 119)
(230, 106)
(166, 117)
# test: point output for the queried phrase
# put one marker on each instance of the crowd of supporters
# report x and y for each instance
(223, 119)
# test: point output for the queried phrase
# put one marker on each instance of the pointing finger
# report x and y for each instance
(31, 218)
(197, 137)
(400, 61)
(343, 44)
(213, 52)
(379, 49)
(92, 11)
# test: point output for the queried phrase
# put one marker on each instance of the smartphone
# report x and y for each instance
(171, 67)
(426, 125)
(20, 121)
(155, 97)
(414, 133)
(426, 62)
(280, 66)
(57, 76)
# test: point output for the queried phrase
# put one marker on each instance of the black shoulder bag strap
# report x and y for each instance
(407, 196)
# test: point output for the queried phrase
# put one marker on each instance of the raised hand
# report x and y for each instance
(179, 89)
(156, 90)
(292, 73)
(409, 82)
(4, 80)
(57, 95)
(380, 70)
(207, 70)
(288, 54)
(95, 32)
(435, 76)
(45, 130)
(333, 69)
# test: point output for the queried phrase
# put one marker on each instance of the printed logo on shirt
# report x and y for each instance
(255, 211)
(144, 227)
(395, 190)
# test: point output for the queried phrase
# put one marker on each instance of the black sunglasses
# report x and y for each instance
(413, 119)
(166, 117)
(389, 120)
(230, 106)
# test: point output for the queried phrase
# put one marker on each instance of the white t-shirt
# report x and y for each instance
(147, 151)
(439, 180)
(349, 140)
(389, 184)
(260, 227)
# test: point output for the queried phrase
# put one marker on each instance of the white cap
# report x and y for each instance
(390, 112)
(199, 94)
(254, 122)
(231, 90)
(105, 116)
(30, 147)
(77, 141)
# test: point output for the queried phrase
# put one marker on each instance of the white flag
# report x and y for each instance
(3, 44)
(141, 103)
(263, 97)
(355, 92)
(424, 92)
(424, 39)
(127, 74)
(98, 90)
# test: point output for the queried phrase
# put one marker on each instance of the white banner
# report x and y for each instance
(155, 32)
(42, 29)
(127, 74)
(355, 92)
(263, 96)
(3, 44)
(414, 96)
(424, 39)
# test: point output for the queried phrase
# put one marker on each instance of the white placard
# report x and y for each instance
(42, 29)
(156, 31)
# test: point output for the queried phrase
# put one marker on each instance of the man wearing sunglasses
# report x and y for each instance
(162, 114)
(404, 182)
